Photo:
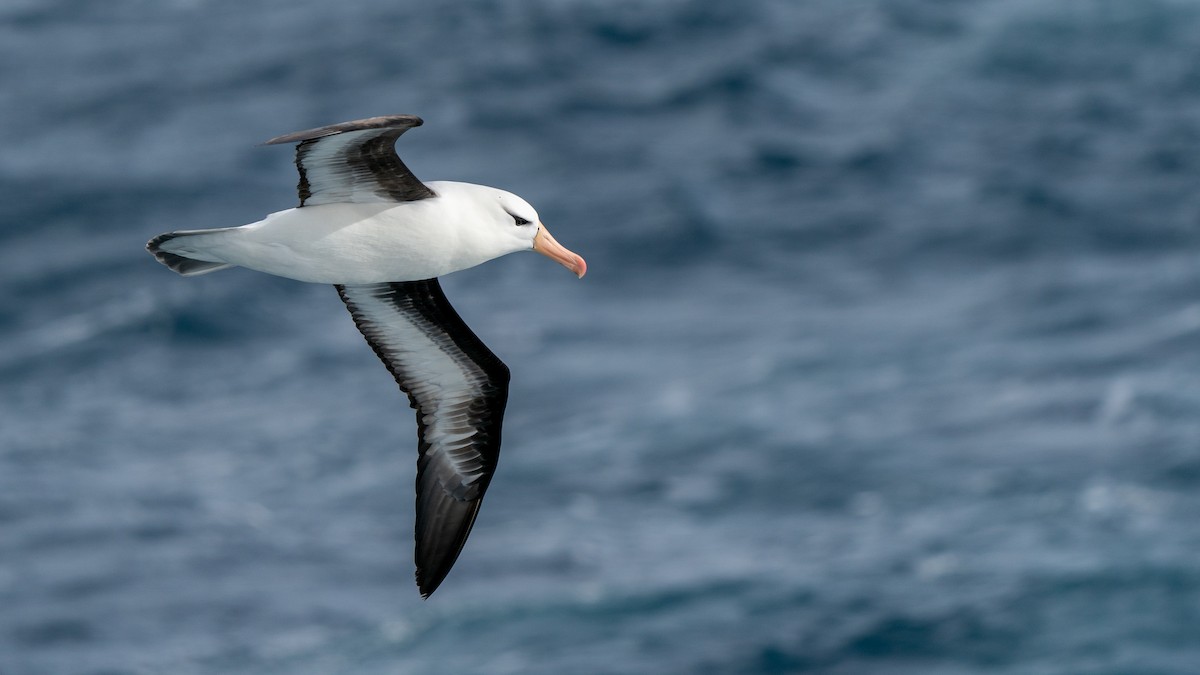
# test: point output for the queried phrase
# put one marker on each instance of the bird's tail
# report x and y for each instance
(184, 252)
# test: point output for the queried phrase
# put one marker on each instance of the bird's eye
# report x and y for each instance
(518, 219)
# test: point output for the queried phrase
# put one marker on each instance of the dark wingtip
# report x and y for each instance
(382, 122)
(438, 548)
(433, 567)
(428, 583)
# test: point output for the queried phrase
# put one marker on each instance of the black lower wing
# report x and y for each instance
(459, 389)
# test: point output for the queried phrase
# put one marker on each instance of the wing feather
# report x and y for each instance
(459, 389)
(355, 162)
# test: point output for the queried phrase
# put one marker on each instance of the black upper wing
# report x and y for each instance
(459, 389)
(355, 162)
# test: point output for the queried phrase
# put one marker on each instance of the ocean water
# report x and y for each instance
(886, 361)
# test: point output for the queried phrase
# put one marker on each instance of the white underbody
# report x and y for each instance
(362, 243)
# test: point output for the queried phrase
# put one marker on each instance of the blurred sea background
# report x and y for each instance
(886, 361)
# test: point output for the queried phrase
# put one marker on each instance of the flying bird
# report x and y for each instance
(368, 226)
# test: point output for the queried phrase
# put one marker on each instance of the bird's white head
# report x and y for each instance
(514, 220)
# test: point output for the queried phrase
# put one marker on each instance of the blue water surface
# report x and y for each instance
(886, 361)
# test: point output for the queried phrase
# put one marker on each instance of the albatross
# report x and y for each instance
(382, 237)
